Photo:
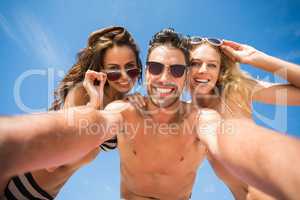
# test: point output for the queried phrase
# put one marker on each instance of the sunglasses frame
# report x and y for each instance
(169, 69)
(209, 40)
(107, 71)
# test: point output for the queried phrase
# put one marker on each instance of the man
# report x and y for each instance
(159, 150)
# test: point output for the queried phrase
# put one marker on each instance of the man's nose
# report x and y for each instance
(165, 74)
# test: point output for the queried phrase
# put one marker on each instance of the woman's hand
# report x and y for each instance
(240, 52)
(137, 100)
(95, 92)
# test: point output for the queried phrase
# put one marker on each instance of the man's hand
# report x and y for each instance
(208, 128)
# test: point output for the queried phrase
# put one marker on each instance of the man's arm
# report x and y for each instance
(260, 157)
(42, 140)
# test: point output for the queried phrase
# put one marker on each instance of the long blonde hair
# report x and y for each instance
(233, 83)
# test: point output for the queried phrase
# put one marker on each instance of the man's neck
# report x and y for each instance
(164, 115)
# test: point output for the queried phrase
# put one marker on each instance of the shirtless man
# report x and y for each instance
(159, 149)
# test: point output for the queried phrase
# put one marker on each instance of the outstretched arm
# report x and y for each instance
(264, 91)
(42, 140)
(260, 157)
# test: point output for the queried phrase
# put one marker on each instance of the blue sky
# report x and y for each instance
(39, 41)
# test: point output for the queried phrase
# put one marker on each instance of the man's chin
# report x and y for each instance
(164, 102)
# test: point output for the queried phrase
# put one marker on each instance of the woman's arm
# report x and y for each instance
(282, 94)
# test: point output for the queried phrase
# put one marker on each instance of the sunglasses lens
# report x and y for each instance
(177, 70)
(133, 73)
(155, 68)
(196, 40)
(113, 76)
(215, 41)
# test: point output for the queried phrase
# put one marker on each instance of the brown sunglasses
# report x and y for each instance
(115, 74)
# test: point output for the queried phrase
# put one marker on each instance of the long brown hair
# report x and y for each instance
(91, 58)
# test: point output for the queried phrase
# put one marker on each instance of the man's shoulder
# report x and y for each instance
(119, 106)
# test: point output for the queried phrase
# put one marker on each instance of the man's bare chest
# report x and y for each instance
(162, 148)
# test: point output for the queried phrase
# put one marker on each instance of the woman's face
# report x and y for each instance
(205, 69)
(120, 58)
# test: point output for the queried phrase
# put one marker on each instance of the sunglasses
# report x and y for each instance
(115, 74)
(213, 41)
(156, 68)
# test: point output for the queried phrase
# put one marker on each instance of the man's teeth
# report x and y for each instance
(202, 80)
(163, 90)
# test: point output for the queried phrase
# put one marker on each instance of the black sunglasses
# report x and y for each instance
(115, 74)
(157, 68)
(213, 41)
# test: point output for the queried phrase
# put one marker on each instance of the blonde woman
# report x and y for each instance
(216, 81)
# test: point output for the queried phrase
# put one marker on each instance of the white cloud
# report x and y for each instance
(33, 38)
(8, 29)
(37, 38)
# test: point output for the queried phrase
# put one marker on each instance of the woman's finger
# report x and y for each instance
(230, 53)
(141, 100)
(135, 102)
(92, 90)
(139, 103)
(88, 82)
(232, 44)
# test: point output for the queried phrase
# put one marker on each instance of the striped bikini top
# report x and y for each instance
(24, 187)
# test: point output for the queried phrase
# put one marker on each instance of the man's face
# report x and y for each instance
(165, 88)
